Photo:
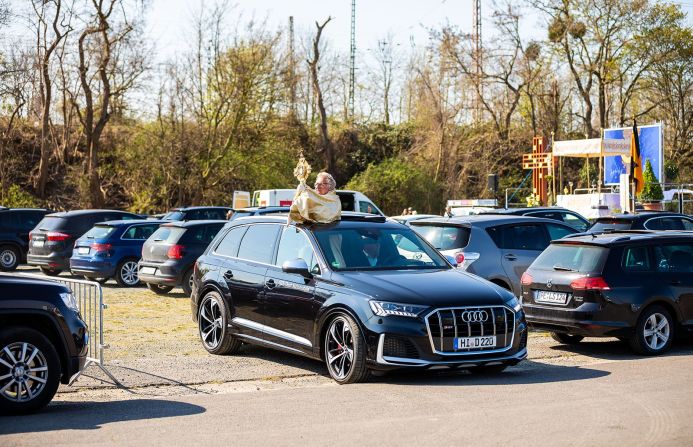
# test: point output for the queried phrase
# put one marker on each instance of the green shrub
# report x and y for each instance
(652, 191)
(16, 197)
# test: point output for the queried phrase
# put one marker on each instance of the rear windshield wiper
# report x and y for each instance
(563, 269)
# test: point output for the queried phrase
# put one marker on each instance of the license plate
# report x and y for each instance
(148, 270)
(38, 243)
(475, 342)
(544, 296)
(83, 250)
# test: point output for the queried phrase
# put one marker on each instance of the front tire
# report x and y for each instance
(654, 331)
(29, 370)
(212, 323)
(345, 350)
(566, 339)
(127, 273)
(9, 258)
(159, 289)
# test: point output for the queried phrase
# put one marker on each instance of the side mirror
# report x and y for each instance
(297, 265)
(451, 260)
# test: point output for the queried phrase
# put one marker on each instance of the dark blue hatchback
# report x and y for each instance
(112, 250)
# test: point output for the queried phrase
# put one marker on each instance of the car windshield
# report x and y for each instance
(572, 258)
(444, 237)
(99, 232)
(611, 224)
(371, 248)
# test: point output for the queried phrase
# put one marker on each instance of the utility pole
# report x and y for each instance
(292, 68)
(352, 61)
(476, 35)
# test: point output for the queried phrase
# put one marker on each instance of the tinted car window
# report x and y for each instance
(174, 215)
(611, 224)
(167, 234)
(202, 234)
(667, 223)
(295, 244)
(674, 258)
(99, 232)
(367, 207)
(578, 258)
(51, 223)
(232, 240)
(519, 237)
(635, 259)
(558, 231)
(258, 243)
(444, 237)
(575, 222)
(8, 220)
(139, 232)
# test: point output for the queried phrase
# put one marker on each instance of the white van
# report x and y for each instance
(351, 200)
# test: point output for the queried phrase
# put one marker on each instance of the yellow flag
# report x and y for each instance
(635, 161)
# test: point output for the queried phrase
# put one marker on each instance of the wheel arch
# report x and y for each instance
(668, 305)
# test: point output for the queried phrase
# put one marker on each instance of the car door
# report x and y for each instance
(674, 264)
(245, 273)
(519, 245)
(289, 303)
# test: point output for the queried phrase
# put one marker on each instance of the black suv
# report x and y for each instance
(52, 241)
(169, 254)
(566, 216)
(637, 286)
(43, 342)
(15, 225)
(198, 213)
(348, 293)
(643, 221)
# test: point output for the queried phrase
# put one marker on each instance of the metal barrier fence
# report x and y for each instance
(89, 296)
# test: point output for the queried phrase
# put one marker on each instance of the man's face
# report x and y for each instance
(371, 247)
(322, 185)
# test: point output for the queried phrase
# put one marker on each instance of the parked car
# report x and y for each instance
(497, 248)
(15, 225)
(351, 200)
(43, 342)
(198, 213)
(52, 240)
(634, 286)
(409, 218)
(258, 211)
(345, 293)
(575, 220)
(112, 250)
(656, 220)
(169, 254)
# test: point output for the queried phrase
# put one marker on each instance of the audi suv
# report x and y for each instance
(362, 294)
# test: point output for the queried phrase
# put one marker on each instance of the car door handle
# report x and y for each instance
(510, 257)
(270, 283)
(228, 274)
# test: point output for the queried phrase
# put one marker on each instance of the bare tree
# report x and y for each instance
(325, 143)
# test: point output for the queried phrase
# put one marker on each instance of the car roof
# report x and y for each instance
(526, 210)
(116, 223)
(640, 215)
(17, 279)
(191, 223)
(85, 212)
(485, 220)
(188, 208)
(623, 237)
(3, 208)
(258, 208)
(349, 220)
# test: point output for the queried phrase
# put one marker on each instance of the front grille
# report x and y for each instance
(445, 325)
(402, 347)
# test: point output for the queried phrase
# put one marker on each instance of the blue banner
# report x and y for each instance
(650, 149)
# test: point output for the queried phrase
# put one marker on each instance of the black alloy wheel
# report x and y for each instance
(127, 273)
(50, 272)
(159, 289)
(29, 370)
(345, 350)
(566, 339)
(212, 321)
(9, 258)
(654, 331)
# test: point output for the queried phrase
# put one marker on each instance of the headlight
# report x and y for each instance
(70, 301)
(384, 309)
(514, 304)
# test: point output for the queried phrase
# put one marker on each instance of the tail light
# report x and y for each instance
(175, 252)
(464, 260)
(30, 234)
(459, 258)
(56, 236)
(589, 283)
(526, 279)
(100, 247)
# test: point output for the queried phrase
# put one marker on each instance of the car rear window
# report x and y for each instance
(51, 223)
(444, 237)
(611, 224)
(174, 215)
(170, 235)
(99, 232)
(571, 257)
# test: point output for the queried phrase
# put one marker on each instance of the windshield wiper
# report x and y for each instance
(563, 269)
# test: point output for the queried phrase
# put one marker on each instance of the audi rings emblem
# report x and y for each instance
(474, 316)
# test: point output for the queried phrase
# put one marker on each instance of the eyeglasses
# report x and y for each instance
(324, 184)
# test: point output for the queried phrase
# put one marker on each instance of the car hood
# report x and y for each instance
(438, 288)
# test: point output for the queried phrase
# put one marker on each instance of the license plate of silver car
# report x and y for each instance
(148, 270)
(545, 296)
(475, 342)
(39, 243)
(83, 250)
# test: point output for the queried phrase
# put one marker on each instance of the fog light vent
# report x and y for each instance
(401, 347)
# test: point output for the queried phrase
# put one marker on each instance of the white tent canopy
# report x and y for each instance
(594, 147)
